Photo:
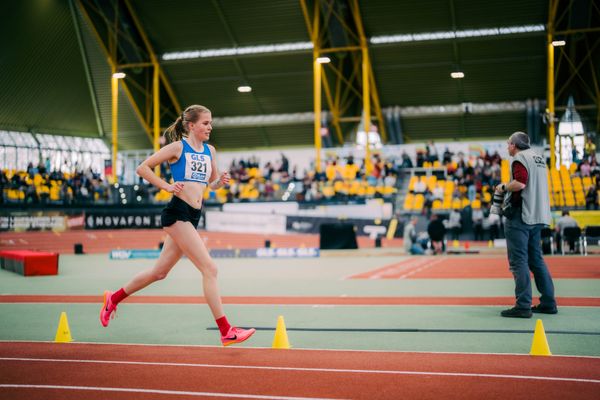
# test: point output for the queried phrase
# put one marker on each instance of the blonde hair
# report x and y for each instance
(179, 129)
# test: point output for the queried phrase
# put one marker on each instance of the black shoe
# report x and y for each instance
(516, 313)
(544, 310)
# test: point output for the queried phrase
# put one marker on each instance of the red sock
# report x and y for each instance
(118, 296)
(223, 324)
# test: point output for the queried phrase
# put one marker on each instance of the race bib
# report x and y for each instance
(197, 167)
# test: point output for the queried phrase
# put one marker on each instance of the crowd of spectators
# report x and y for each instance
(340, 179)
(38, 184)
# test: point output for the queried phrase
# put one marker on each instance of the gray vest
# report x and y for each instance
(535, 198)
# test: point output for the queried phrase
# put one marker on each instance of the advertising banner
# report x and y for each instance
(56, 221)
(311, 225)
(245, 222)
(123, 220)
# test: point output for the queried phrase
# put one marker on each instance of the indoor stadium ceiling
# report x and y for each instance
(56, 75)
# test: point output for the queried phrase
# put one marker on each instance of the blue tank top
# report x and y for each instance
(192, 165)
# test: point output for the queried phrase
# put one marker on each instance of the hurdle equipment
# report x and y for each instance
(280, 340)
(539, 345)
(63, 333)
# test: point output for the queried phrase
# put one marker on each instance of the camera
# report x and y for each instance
(497, 202)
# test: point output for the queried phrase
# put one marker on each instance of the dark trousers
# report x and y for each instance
(525, 257)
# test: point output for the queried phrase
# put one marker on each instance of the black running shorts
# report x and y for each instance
(179, 210)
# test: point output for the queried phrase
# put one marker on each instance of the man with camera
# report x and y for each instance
(526, 206)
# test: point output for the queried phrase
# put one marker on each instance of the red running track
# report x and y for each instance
(473, 267)
(97, 371)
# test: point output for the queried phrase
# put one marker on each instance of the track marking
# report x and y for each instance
(425, 266)
(397, 268)
(158, 391)
(335, 370)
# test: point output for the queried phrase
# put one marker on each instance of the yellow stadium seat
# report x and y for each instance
(412, 183)
(419, 201)
(408, 201)
(572, 168)
(328, 191)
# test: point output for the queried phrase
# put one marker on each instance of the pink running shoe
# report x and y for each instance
(236, 335)
(108, 310)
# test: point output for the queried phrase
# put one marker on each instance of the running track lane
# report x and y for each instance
(30, 370)
(479, 268)
(298, 300)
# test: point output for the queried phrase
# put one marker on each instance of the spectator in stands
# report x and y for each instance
(431, 153)
(3, 185)
(584, 168)
(528, 213)
(285, 164)
(410, 238)
(437, 233)
(420, 187)
(454, 224)
(438, 193)
(447, 156)
(589, 149)
(194, 169)
(31, 195)
(406, 161)
(427, 203)
(591, 198)
(565, 221)
(420, 158)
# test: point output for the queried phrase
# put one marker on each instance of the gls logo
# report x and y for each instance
(539, 161)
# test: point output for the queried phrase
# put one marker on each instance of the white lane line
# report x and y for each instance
(157, 391)
(429, 264)
(335, 370)
(415, 262)
(377, 271)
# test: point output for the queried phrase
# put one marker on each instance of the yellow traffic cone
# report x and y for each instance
(539, 346)
(280, 341)
(63, 333)
(455, 244)
(490, 243)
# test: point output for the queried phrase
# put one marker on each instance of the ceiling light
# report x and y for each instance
(558, 43)
(383, 39)
(445, 35)
(323, 60)
(119, 75)
(457, 75)
(244, 89)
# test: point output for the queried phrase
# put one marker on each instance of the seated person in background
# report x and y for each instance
(410, 238)
(437, 232)
(477, 217)
(591, 198)
(563, 222)
(453, 224)
(492, 223)
(420, 187)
